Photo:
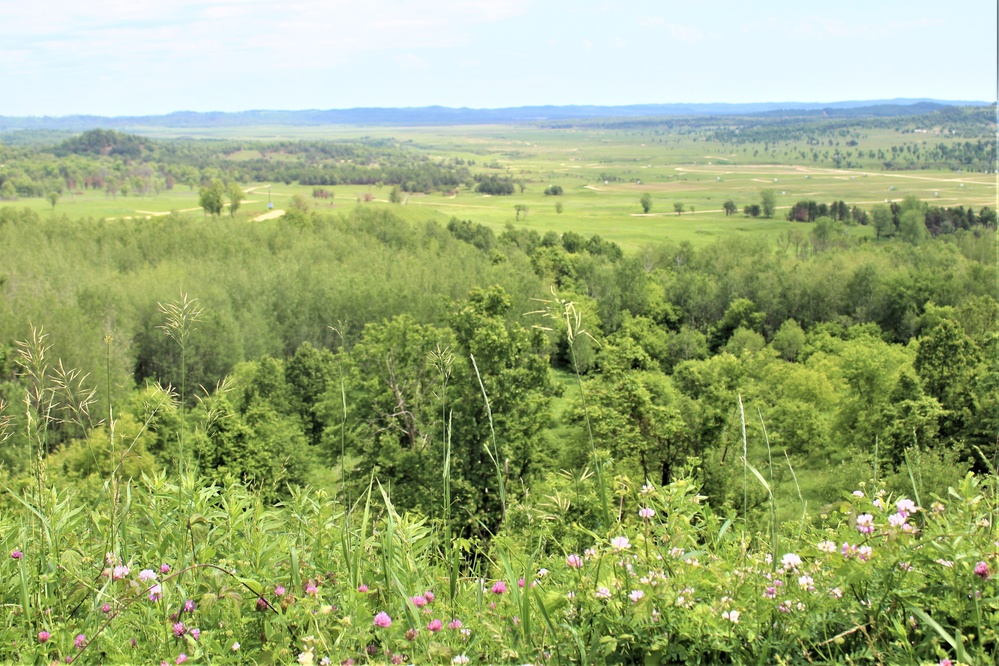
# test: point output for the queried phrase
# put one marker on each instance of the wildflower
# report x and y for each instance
(620, 543)
(43, 636)
(806, 582)
(347, 662)
(16, 554)
(827, 546)
(325, 661)
(179, 629)
(770, 592)
(848, 550)
(731, 616)
(411, 634)
(419, 601)
(110, 559)
(648, 488)
(937, 507)
(155, 592)
(279, 591)
(164, 568)
(262, 604)
(542, 572)
(906, 506)
(898, 519)
(864, 553)
(865, 523)
(429, 596)
(460, 659)
(520, 582)
(396, 659)
(590, 553)
(982, 570)
(119, 572)
(570, 595)
(574, 561)
(636, 595)
(790, 561)
(195, 634)
(106, 608)
(499, 587)
(945, 662)
(836, 593)
(454, 624)
(383, 620)
(905, 566)
(646, 512)
(362, 588)
(311, 589)
(147, 575)
(181, 658)
(602, 593)
(305, 657)
(785, 606)
(858, 493)
(435, 626)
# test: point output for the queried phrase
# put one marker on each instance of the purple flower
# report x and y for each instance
(106, 608)
(164, 568)
(429, 596)
(16, 554)
(189, 606)
(279, 591)
(435, 625)
(520, 582)
(419, 601)
(311, 589)
(179, 629)
(195, 633)
(155, 593)
(865, 523)
(119, 572)
(646, 512)
(262, 604)
(499, 587)
(383, 620)
(80, 641)
(982, 570)
(574, 561)
(362, 588)
(454, 624)
(147, 575)
(181, 658)
(43, 636)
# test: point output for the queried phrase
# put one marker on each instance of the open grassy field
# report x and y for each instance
(603, 172)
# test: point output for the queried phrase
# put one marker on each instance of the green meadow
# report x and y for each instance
(603, 173)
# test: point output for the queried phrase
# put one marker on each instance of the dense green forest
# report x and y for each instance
(322, 347)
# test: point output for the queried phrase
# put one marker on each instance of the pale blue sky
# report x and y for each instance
(125, 57)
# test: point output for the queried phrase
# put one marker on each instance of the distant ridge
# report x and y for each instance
(441, 115)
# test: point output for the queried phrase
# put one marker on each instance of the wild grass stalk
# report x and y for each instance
(495, 457)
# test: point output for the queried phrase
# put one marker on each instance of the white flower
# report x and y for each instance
(621, 543)
(827, 546)
(636, 595)
(460, 659)
(731, 616)
(235, 646)
(790, 561)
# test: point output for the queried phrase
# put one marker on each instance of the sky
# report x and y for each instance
(150, 57)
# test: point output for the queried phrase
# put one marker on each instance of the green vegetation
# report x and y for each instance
(383, 387)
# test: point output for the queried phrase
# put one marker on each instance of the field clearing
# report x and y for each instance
(603, 173)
